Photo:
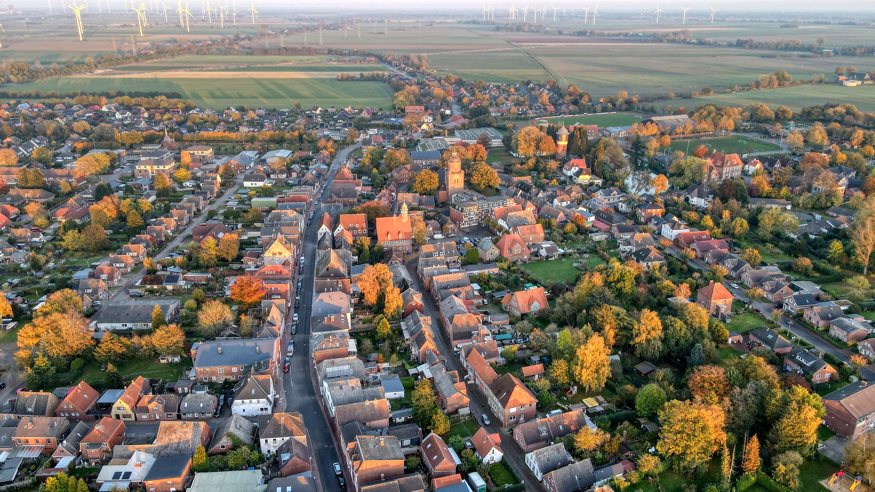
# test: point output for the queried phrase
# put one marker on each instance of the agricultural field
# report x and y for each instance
(601, 119)
(731, 145)
(219, 81)
(223, 91)
(862, 97)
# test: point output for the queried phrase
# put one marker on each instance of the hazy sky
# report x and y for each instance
(407, 6)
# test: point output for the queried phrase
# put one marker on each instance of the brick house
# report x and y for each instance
(168, 474)
(125, 408)
(436, 456)
(716, 299)
(512, 247)
(158, 407)
(96, 447)
(40, 431)
(511, 400)
(814, 368)
(375, 458)
(850, 411)
(529, 301)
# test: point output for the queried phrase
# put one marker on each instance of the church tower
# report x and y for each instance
(455, 176)
(562, 142)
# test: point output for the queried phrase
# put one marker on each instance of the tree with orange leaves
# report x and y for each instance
(248, 290)
(709, 384)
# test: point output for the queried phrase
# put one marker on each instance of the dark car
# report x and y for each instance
(341, 482)
(2, 385)
(286, 367)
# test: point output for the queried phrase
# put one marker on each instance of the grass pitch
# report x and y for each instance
(732, 145)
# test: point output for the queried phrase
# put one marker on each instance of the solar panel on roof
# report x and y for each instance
(117, 475)
(126, 475)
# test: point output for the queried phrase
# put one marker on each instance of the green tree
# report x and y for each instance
(785, 468)
(471, 257)
(796, 428)
(836, 252)
(423, 402)
(649, 400)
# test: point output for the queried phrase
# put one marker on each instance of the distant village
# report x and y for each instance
(477, 301)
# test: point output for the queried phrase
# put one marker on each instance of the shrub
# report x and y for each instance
(745, 482)
(77, 364)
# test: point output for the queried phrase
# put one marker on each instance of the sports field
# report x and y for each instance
(732, 144)
(601, 119)
(793, 97)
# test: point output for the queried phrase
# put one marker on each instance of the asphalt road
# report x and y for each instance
(298, 383)
(513, 456)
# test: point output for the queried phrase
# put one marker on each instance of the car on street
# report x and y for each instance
(295, 329)
(295, 317)
(2, 385)
(734, 286)
(286, 367)
(337, 470)
(341, 482)
(486, 420)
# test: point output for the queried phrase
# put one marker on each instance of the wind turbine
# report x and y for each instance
(186, 15)
(658, 13)
(164, 6)
(77, 11)
(595, 12)
(221, 16)
(684, 20)
(586, 14)
(253, 12)
(210, 11)
(713, 11)
(512, 12)
(525, 13)
(141, 17)
(485, 12)
(179, 12)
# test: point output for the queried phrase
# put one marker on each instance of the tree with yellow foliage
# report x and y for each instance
(592, 366)
(691, 433)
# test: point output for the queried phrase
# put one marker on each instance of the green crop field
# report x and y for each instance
(793, 97)
(601, 119)
(731, 144)
(218, 92)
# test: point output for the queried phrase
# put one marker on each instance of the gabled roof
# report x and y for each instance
(857, 398)
(484, 442)
(284, 424)
(254, 387)
(511, 392)
(480, 367)
(714, 291)
(435, 452)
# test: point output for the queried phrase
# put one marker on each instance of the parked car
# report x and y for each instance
(337, 470)
(341, 482)
(295, 317)
(486, 420)
(2, 385)
(286, 367)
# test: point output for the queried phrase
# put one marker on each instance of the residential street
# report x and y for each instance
(786, 322)
(300, 393)
(512, 454)
(134, 277)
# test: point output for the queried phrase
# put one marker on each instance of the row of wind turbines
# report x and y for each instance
(540, 13)
(209, 13)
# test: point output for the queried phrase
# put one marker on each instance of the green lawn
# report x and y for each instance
(499, 155)
(148, 368)
(730, 144)
(727, 353)
(502, 475)
(464, 428)
(552, 272)
(745, 322)
(10, 335)
(601, 119)
(812, 472)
